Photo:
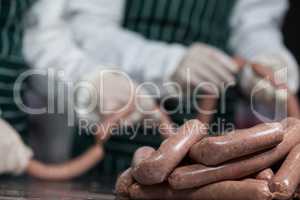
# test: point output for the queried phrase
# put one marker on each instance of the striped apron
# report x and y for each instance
(11, 59)
(171, 21)
(181, 21)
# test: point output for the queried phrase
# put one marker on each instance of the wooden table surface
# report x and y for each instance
(29, 189)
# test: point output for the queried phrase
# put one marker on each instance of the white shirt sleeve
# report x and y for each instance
(98, 25)
(256, 27)
(49, 42)
(87, 33)
(256, 32)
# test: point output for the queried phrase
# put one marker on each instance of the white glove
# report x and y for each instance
(285, 71)
(285, 67)
(109, 91)
(260, 88)
(14, 154)
(204, 63)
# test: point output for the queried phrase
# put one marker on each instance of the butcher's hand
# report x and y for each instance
(285, 71)
(204, 64)
(14, 154)
(108, 92)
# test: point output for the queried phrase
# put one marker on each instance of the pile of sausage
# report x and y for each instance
(235, 166)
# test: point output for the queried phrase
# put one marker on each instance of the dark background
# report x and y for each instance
(291, 29)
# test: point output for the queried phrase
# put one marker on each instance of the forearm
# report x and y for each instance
(256, 27)
(104, 38)
(257, 36)
(50, 43)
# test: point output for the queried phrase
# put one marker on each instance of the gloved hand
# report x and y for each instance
(261, 88)
(285, 67)
(109, 92)
(203, 63)
(14, 154)
(285, 71)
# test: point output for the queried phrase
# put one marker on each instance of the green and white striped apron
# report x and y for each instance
(172, 21)
(181, 21)
(11, 59)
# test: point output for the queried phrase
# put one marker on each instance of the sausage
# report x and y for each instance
(67, 170)
(266, 175)
(287, 179)
(125, 180)
(141, 154)
(212, 151)
(123, 183)
(166, 127)
(207, 105)
(227, 190)
(83, 163)
(104, 129)
(289, 122)
(297, 193)
(198, 175)
(155, 169)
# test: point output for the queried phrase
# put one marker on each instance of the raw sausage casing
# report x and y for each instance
(212, 151)
(161, 163)
(198, 175)
(227, 190)
(266, 175)
(123, 183)
(287, 179)
(141, 154)
(125, 180)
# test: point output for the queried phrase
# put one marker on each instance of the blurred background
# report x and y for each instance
(52, 147)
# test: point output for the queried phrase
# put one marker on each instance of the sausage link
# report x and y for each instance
(297, 193)
(162, 162)
(212, 151)
(207, 105)
(67, 170)
(104, 128)
(227, 190)
(266, 175)
(141, 154)
(166, 126)
(123, 183)
(83, 163)
(198, 175)
(289, 122)
(125, 180)
(287, 179)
